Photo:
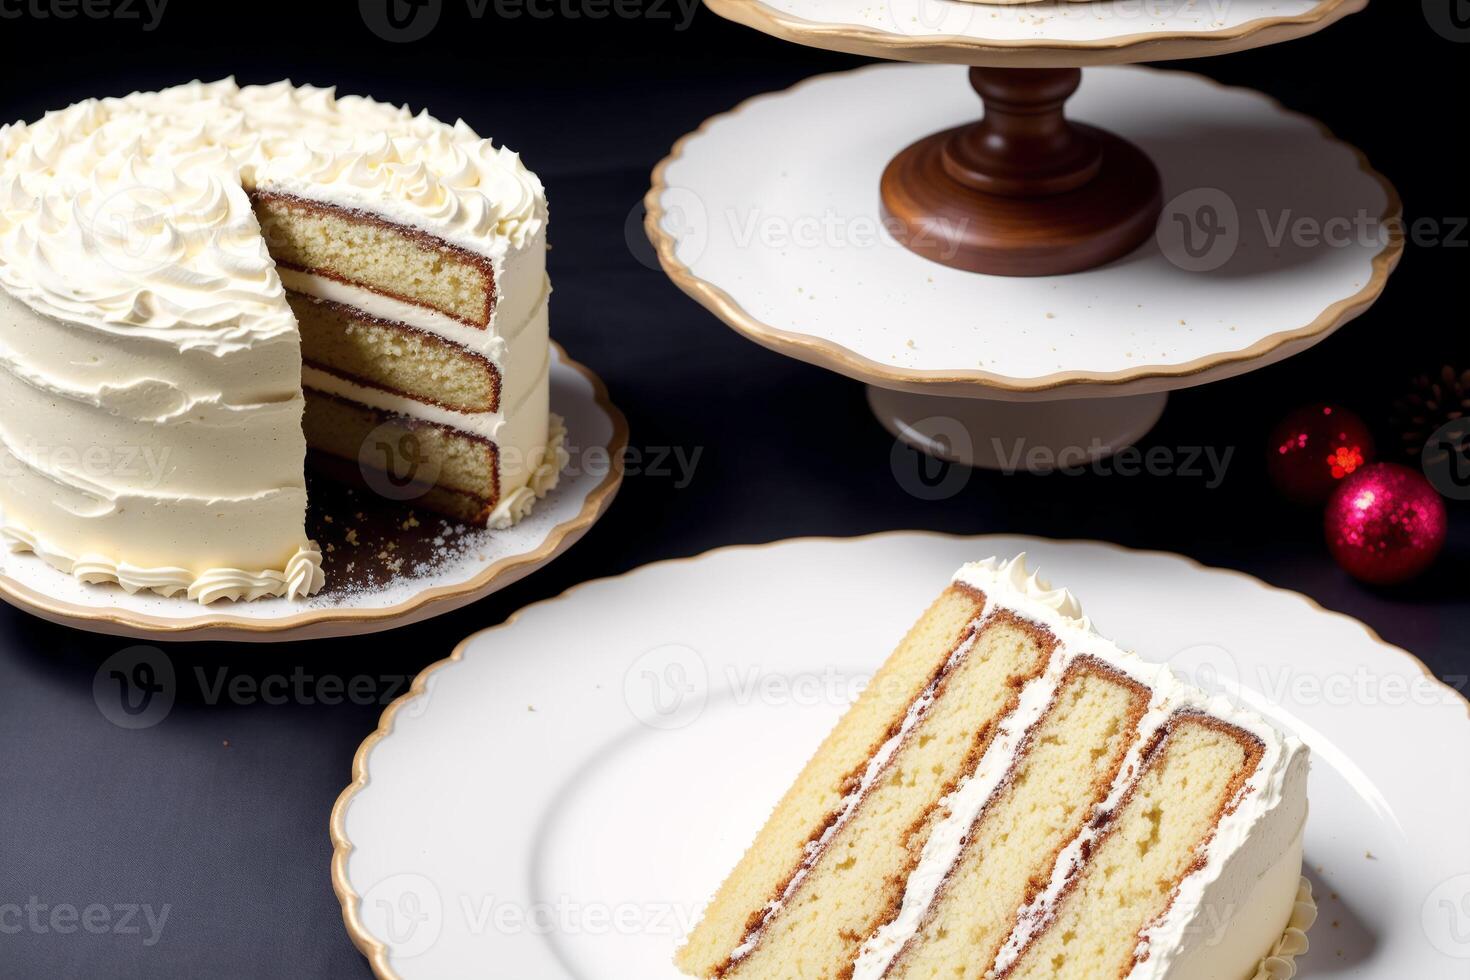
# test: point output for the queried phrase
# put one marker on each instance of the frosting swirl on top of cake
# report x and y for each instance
(1013, 579)
(132, 213)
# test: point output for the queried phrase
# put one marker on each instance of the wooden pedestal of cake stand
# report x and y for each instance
(1024, 191)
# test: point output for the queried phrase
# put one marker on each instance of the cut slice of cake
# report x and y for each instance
(1014, 796)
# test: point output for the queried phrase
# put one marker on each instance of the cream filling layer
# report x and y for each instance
(519, 433)
(849, 804)
(520, 357)
(962, 807)
(527, 315)
(1251, 838)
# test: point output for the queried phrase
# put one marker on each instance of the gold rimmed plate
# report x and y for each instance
(1048, 34)
(644, 754)
(388, 563)
(795, 257)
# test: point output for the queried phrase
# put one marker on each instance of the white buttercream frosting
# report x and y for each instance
(516, 505)
(1230, 918)
(142, 318)
(302, 576)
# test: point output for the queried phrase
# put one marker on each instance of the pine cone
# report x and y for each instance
(1432, 403)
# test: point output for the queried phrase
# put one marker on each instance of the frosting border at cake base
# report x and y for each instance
(1280, 962)
(515, 506)
(301, 577)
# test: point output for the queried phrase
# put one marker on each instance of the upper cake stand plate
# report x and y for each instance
(561, 796)
(1274, 234)
(1052, 33)
(387, 564)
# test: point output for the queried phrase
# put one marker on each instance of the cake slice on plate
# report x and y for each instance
(1013, 796)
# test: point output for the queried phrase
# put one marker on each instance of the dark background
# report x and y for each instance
(221, 811)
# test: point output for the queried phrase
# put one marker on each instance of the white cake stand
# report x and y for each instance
(1050, 34)
(474, 564)
(1274, 233)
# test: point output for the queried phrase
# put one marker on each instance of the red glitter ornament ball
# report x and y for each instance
(1314, 449)
(1386, 524)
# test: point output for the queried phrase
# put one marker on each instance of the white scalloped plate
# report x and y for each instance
(490, 560)
(1050, 33)
(561, 796)
(768, 216)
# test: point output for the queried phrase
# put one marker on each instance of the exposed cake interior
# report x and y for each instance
(410, 366)
(1015, 796)
(1065, 768)
(185, 273)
